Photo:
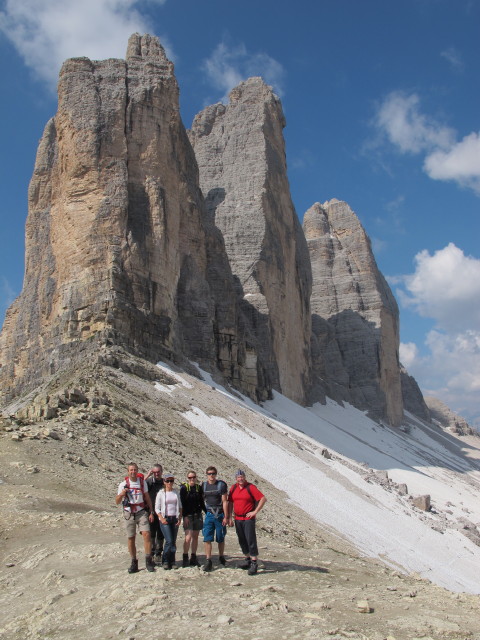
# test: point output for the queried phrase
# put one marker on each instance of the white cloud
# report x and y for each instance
(400, 119)
(445, 158)
(460, 163)
(228, 66)
(446, 287)
(408, 353)
(47, 32)
(453, 56)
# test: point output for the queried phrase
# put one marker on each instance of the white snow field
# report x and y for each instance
(282, 442)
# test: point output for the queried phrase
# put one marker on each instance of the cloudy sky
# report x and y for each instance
(382, 101)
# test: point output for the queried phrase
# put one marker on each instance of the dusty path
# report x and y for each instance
(63, 552)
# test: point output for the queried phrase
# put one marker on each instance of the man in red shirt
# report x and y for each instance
(245, 500)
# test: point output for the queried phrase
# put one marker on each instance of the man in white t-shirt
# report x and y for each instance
(138, 513)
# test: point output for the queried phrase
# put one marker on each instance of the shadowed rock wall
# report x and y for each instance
(241, 156)
(355, 316)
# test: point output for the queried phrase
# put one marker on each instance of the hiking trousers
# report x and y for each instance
(247, 536)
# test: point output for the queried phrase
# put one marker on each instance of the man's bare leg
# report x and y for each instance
(132, 549)
(147, 542)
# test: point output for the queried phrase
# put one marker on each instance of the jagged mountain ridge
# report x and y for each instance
(123, 248)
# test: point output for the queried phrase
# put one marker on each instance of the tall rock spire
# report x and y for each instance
(354, 314)
(241, 156)
(116, 241)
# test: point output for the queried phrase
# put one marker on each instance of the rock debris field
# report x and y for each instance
(64, 559)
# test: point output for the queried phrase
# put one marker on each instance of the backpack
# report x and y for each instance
(218, 484)
(247, 487)
(187, 487)
(126, 501)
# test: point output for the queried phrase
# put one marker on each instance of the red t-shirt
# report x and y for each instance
(242, 501)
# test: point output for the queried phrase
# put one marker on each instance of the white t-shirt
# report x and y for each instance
(170, 503)
(135, 494)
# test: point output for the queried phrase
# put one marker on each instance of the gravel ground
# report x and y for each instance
(64, 557)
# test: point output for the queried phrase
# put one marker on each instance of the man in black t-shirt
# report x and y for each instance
(154, 482)
(215, 525)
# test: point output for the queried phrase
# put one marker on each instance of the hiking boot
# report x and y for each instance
(150, 565)
(208, 566)
(167, 566)
(185, 562)
(133, 568)
(193, 560)
(253, 568)
(222, 560)
(245, 564)
(157, 558)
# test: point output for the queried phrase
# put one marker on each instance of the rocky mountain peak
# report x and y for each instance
(240, 152)
(146, 47)
(187, 246)
(355, 316)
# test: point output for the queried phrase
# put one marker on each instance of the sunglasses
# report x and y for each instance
(170, 480)
(211, 473)
(191, 477)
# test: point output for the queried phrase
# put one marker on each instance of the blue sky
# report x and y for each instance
(382, 101)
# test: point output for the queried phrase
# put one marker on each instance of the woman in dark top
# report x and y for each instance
(193, 505)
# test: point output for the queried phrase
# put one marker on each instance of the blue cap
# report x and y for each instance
(240, 472)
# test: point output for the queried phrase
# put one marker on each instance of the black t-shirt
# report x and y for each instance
(154, 487)
(192, 499)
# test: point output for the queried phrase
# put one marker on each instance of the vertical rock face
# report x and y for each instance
(413, 400)
(241, 158)
(116, 241)
(354, 314)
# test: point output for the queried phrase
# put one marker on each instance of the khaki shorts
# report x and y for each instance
(140, 520)
(193, 523)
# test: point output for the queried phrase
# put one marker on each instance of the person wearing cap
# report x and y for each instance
(169, 510)
(245, 501)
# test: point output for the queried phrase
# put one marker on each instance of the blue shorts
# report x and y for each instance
(213, 525)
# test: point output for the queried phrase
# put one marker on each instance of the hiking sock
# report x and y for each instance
(222, 560)
(185, 562)
(133, 568)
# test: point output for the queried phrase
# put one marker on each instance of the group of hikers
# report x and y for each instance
(154, 506)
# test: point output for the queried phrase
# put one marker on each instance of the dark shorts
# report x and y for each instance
(213, 527)
(193, 522)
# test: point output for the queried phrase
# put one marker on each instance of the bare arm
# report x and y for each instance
(259, 506)
(120, 496)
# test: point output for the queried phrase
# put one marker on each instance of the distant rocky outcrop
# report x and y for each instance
(355, 322)
(447, 419)
(413, 400)
(240, 151)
